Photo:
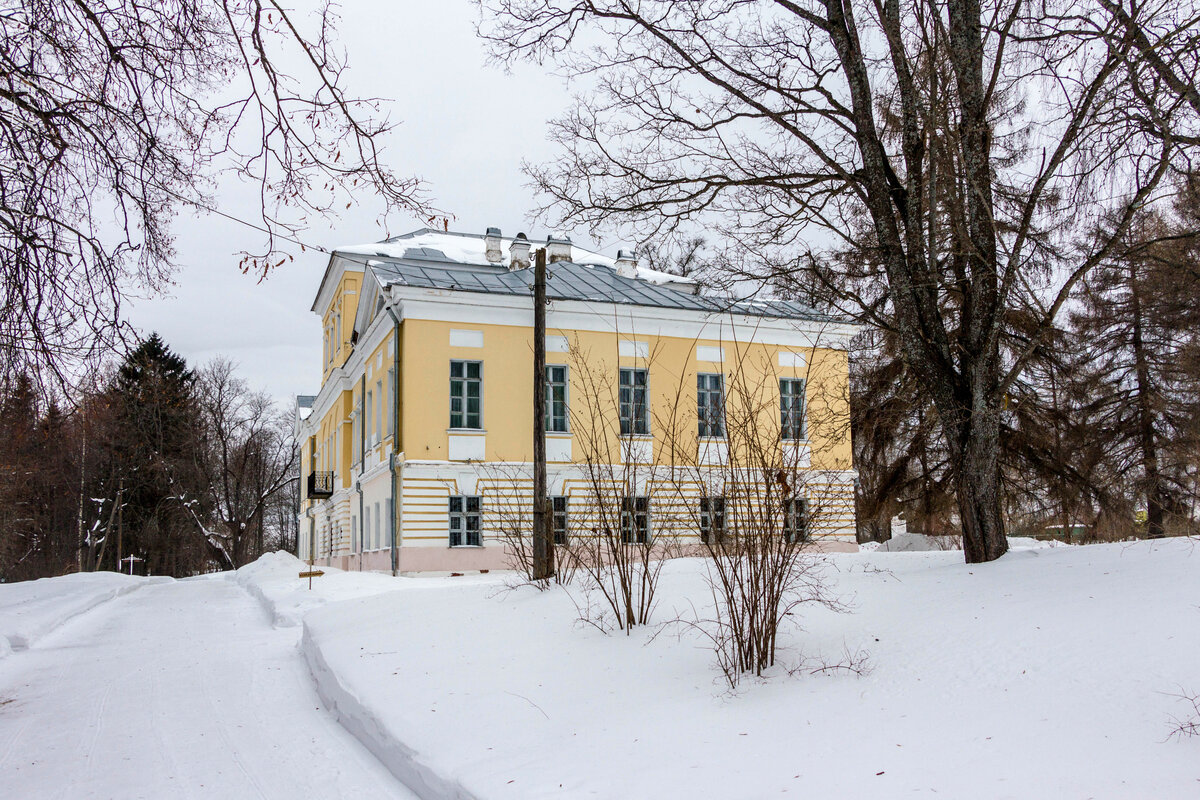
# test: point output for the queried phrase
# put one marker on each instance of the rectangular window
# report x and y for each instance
(710, 404)
(370, 418)
(559, 518)
(791, 408)
(378, 527)
(354, 543)
(391, 405)
(635, 520)
(712, 519)
(466, 521)
(795, 520)
(356, 432)
(366, 531)
(466, 394)
(635, 413)
(390, 534)
(378, 411)
(556, 399)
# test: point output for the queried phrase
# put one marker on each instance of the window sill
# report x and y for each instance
(479, 431)
(465, 547)
(559, 434)
(638, 436)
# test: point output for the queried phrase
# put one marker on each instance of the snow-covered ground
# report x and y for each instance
(31, 609)
(1051, 673)
(175, 690)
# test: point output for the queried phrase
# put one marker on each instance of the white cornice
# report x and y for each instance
(479, 308)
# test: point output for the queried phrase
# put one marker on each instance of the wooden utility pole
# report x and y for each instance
(543, 548)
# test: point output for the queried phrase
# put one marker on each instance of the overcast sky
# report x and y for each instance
(466, 127)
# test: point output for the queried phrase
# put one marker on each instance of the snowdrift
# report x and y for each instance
(31, 609)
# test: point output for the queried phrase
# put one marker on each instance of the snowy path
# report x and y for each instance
(176, 690)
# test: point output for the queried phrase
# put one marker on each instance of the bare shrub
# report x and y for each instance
(508, 492)
(742, 473)
(618, 548)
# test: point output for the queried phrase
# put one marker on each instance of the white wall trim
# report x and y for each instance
(627, 320)
(460, 337)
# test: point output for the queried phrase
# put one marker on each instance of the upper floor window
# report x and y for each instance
(558, 507)
(391, 404)
(635, 413)
(791, 409)
(710, 404)
(369, 417)
(466, 394)
(795, 520)
(379, 410)
(635, 520)
(556, 398)
(712, 519)
(466, 521)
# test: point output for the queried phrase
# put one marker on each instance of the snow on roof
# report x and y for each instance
(471, 249)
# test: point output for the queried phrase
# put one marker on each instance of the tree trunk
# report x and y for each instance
(1146, 438)
(976, 449)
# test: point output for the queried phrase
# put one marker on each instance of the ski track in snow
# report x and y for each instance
(177, 690)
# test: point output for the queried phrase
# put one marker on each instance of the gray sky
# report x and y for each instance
(465, 128)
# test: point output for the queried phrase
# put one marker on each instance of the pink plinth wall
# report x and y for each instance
(474, 559)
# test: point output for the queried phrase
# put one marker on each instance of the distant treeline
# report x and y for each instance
(184, 470)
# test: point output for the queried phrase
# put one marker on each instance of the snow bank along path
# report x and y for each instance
(181, 689)
(1046, 674)
(31, 609)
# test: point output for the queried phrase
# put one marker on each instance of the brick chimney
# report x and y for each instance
(626, 264)
(519, 252)
(491, 240)
(558, 248)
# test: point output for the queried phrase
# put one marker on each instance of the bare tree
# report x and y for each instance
(958, 150)
(116, 114)
(245, 455)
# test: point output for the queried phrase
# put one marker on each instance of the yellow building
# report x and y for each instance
(420, 440)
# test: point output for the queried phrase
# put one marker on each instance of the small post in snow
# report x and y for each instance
(131, 558)
(311, 573)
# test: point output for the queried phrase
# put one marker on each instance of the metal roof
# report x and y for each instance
(570, 281)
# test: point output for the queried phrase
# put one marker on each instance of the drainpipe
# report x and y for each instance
(362, 461)
(397, 491)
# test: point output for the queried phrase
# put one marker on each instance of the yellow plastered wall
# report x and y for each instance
(343, 305)
(507, 356)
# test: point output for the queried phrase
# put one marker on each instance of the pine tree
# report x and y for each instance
(154, 424)
(1139, 323)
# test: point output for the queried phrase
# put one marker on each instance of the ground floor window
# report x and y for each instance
(635, 520)
(795, 520)
(466, 521)
(712, 519)
(559, 518)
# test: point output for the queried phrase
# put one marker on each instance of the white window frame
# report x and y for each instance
(787, 410)
(795, 516)
(463, 516)
(635, 521)
(566, 399)
(710, 414)
(712, 510)
(631, 422)
(466, 382)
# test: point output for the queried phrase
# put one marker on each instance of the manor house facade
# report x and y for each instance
(423, 421)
